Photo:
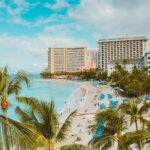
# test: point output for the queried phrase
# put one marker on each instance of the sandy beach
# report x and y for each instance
(86, 102)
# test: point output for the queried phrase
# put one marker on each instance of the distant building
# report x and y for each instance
(129, 64)
(145, 61)
(67, 59)
(120, 49)
(92, 58)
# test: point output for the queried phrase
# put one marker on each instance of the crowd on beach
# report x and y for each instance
(87, 105)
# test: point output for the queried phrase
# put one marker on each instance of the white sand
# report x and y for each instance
(84, 99)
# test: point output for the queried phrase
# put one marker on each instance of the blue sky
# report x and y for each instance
(29, 27)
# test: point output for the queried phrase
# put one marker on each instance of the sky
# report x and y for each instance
(29, 27)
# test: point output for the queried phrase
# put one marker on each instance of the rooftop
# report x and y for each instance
(124, 39)
(67, 47)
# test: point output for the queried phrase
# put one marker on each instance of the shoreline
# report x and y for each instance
(82, 104)
(87, 105)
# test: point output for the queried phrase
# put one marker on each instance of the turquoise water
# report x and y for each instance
(44, 90)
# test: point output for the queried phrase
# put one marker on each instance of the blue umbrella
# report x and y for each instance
(113, 103)
(109, 96)
(102, 106)
(100, 130)
(102, 96)
(100, 123)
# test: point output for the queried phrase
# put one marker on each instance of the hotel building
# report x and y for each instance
(120, 49)
(67, 59)
(92, 58)
(128, 64)
(145, 61)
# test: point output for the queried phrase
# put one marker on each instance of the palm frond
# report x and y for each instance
(134, 137)
(74, 147)
(103, 143)
(63, 129)
(144, 108)
(32, 102)
(17, 131)
(3, 80)
(14, 85)
(27, 117)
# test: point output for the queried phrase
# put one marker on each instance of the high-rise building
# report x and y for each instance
(120, 49)
(67, 59)
(92, 58)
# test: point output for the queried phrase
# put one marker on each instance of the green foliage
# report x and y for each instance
(17, 134)
(74, 147)
(135, 112)
(90, 74)
(9, 85)
(132, 85)
(42, 118)
(135, 136)
(116, 123)
(12, 84)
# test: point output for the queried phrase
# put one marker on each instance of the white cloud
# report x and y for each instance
(13, 15)
(58, 5)
(30, 53)
(114, 17)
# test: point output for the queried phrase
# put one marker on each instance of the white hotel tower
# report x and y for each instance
(120, 49)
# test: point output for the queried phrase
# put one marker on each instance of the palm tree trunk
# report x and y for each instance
(119, 136)
(5, 132)
(51, 145)
(136, 124)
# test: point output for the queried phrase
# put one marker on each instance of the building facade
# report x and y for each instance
(67, 59)
(120, 49)
(127, 64)
(145, 61)
(92, 58)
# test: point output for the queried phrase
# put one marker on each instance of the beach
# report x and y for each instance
(86, 103)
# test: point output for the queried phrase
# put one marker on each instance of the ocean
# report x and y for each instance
(44, 90)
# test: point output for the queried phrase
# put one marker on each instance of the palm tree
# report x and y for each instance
(135, 112)
(132, 85)
(18, 135)
(74, 147)
(42, 118)
(115, 123)
(119, 76)
(9, 85)
(133, 138)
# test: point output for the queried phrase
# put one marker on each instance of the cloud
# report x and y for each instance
(58, 5)
(15, 9)
(114, 17)
(23, 51)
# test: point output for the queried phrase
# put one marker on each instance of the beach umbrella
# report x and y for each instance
(102, 106)
(100, 130)
(102, 96)
(109, 96)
